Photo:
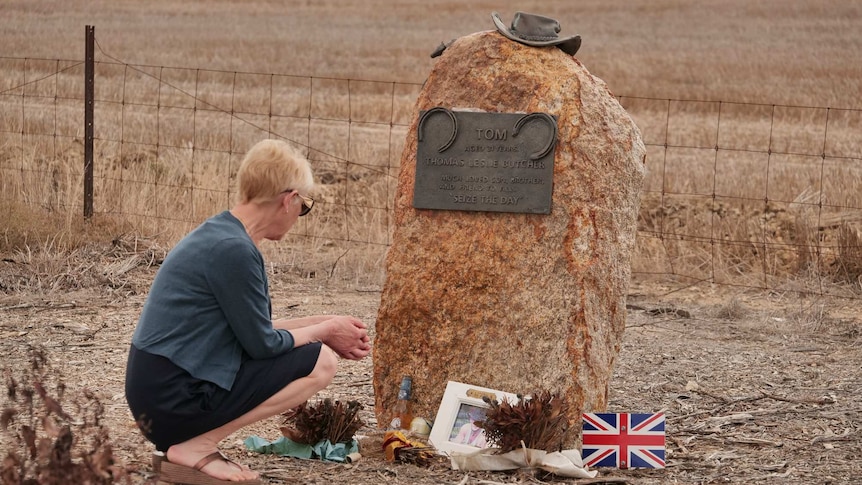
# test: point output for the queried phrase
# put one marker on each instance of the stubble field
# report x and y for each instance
(758, 386)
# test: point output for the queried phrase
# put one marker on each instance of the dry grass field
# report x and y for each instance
(749, 112)
(750, 217)
(783, 52)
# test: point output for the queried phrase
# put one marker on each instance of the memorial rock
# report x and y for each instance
(514, 301)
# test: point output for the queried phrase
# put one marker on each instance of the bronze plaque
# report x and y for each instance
(477, 161)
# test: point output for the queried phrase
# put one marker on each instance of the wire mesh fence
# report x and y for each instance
(740, 194)
(750, 194)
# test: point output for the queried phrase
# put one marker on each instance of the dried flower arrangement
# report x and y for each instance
(310, 424)
(539, 421)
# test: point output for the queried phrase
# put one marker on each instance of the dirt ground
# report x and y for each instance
(756, 387)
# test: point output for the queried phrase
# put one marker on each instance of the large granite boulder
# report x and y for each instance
(514, 301)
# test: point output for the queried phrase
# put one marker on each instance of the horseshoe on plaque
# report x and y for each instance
(451, 116)
(542, 117)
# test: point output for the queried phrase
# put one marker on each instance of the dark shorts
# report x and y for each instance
(171, 406)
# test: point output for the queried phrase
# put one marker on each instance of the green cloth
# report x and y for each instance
(323, 450)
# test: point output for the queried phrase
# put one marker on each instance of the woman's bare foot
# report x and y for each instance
(189, 453)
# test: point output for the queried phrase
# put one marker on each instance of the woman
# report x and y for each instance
(206, 358)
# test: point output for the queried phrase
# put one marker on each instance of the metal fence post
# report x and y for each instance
(89, 74)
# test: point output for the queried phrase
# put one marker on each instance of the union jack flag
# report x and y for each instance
(623, 440)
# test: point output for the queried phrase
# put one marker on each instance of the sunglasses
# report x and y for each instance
(307, 202)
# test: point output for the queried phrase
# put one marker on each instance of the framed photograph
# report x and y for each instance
(455, 427)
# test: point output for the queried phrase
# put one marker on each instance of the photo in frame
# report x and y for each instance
(454, 427)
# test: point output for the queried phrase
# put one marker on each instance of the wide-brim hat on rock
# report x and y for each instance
(537, 31)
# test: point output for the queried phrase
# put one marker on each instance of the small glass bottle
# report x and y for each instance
(403, 411)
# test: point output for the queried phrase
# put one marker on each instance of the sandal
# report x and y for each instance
(158, 458)
(186, 475)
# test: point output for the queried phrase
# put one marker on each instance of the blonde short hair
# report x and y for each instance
(269, 168)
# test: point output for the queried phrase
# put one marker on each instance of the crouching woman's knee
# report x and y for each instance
(327, 364)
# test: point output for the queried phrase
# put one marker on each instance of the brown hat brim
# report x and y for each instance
(569, 45)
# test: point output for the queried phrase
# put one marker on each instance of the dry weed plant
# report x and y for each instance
(811, 315)
(65, 262)
(850, 253)
(733, 310)
(56, 437)
(537, 421)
